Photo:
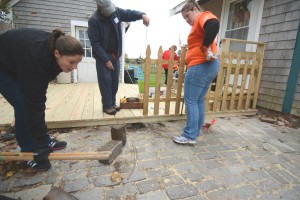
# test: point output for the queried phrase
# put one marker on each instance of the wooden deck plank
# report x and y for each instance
(89, 104)
(83, 103)
(97, 111)
(80, 98)
(55, 107)
(54, 92)
(68, 106)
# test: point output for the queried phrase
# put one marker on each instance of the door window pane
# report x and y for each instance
(85, 43)
(238, 23)
(238, 19)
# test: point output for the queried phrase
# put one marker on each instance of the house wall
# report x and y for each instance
(49, 15)
(215, 6)
(296, 103)
(278, 30)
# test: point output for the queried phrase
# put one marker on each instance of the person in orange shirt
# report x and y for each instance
(202, 67)
(166, 56)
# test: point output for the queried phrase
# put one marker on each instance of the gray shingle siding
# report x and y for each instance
(296, 104)
(279, 30)
(48, 15)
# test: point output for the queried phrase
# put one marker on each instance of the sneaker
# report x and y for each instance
(40, 167)
(57, 145)
(110, 111)
(183, 140)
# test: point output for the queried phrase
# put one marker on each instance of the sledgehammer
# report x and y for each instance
(106, 154)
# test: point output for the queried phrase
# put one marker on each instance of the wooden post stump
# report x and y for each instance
(119, 133)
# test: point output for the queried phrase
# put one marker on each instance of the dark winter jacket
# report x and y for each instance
(98, 30)
(24, 54)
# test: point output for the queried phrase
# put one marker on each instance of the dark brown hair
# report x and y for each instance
(189, 5)
(67, 45)
(174, 47)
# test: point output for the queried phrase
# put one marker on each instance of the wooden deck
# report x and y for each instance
(79, 105)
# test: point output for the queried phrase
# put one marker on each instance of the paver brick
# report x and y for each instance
(182, 191)
(147, 186)
(76, 185)
(93, 194)
(152, 164)
(239, 158)
(129, 189)
(169, 181)
(208, 185)
(159, 172)
(134, 176)
(158, 194)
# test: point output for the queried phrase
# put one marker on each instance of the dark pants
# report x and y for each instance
(9, 89)
(108, 81)
(166, 76)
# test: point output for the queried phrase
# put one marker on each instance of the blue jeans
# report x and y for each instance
(108, 81)
(196, 83)
(9, 89)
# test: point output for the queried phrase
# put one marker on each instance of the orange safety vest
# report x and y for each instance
(194, 55)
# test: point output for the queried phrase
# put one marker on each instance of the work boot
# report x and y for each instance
(110, 111)
(117, 108)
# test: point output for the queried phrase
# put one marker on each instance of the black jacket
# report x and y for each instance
(24, 54)
(98, 30)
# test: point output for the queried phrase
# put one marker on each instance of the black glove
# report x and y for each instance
(41, 153)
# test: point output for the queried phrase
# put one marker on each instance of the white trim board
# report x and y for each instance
(75, 23)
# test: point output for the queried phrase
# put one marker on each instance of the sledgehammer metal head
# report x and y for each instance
(114, 147)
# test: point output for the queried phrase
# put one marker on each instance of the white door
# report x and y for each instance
(86, 70)
(241, 19)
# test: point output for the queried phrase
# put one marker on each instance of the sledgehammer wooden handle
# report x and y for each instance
(102, 155)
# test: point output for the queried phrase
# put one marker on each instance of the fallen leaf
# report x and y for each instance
(9, 174)
(116, 177)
